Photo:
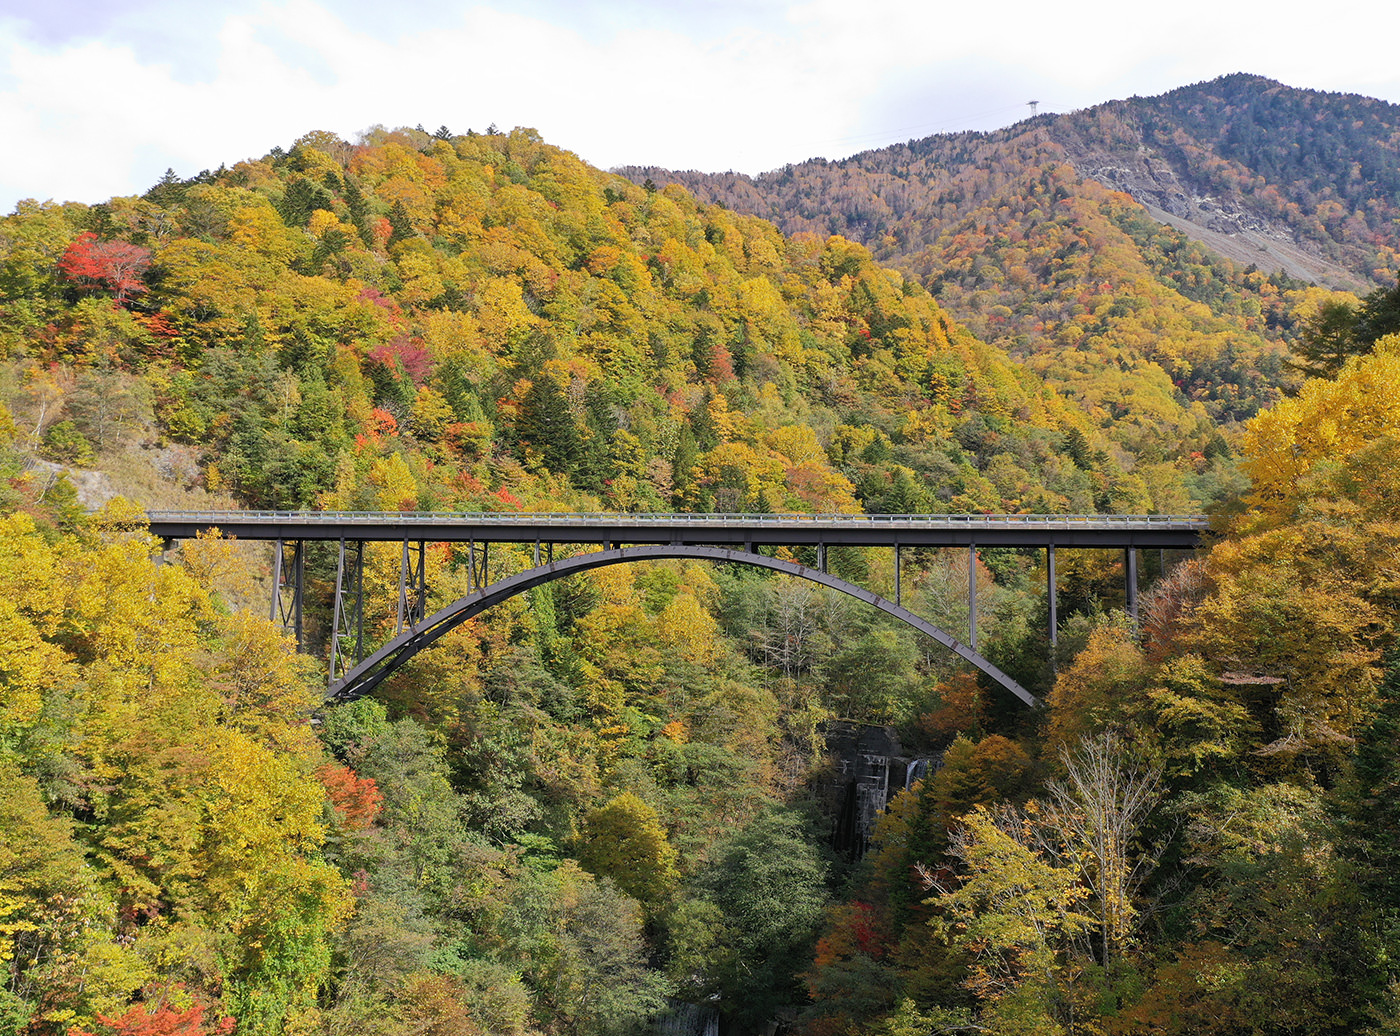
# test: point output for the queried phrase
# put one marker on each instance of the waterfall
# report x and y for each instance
(915, 771)
(685, 1019)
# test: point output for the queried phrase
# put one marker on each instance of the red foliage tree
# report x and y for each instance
(962, 708)
(403, 354)
(116, 264)
(721, 364)
(357, 799)
(163, 1021)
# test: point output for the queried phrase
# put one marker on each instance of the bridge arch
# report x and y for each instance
(370, 672)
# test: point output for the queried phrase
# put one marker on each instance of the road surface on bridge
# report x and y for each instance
(742, 530)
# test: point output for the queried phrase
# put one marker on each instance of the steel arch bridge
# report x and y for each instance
(723, 538)
(367, 674)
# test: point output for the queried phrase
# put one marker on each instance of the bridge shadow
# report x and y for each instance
(369, 673)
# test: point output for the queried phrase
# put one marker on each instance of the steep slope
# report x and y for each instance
(1263, 172)
(366, 325)
(1029, 237)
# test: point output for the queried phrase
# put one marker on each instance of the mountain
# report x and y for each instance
(1261, 172)
(606, 807)
(1184, 229)
(1298, 180)
(489, 303)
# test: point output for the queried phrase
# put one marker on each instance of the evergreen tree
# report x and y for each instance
(1379, 315)
(303, 197)
(596, 467)
(1328, 340)
(682, 465)
(546, 428)
(359, 209)
(401, 227)
(168, 191)
(703, 425)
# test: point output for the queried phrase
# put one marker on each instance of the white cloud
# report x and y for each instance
(713, 86)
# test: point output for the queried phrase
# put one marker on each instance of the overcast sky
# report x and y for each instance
(99, 97)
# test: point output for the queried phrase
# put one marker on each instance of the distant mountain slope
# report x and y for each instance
(1311, 179)
(1024, 235)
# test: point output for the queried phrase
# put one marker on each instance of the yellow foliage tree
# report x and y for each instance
(1328, 421)
(624, 840)
(188, 744)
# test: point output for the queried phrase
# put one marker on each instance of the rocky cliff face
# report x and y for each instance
(869, 767)
(1225, 223)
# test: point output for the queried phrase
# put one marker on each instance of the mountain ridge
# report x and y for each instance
(1151, 149)
(1253, 201)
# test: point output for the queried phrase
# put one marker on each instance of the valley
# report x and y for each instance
(673, 793)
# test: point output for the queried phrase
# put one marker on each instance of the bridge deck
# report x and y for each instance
(910, 530)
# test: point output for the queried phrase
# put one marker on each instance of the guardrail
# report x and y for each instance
(563, 518)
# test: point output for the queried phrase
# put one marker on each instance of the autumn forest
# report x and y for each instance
(606, 807)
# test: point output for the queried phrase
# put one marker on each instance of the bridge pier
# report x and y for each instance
(287, 593)
(1052, 594)
(1130, 572)
(348, 624)
(413, 588)
(896, 574)
(972, 597)
(477, 565)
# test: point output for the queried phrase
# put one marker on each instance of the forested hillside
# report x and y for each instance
(602, 807)
(1027, 237)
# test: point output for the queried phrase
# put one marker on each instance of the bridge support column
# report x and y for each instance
(821, 558)
(896, 573)
(478, 575)
(287, 589)
(1130, 570)
(277, 580)
(1052, 595)
(972, 597)
(348, 629)
(413, 588)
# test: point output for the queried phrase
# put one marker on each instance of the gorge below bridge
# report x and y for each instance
(619, 538)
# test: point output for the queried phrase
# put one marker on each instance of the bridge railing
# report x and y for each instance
(594, 518)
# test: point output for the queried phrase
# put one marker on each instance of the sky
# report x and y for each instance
(99, 97)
